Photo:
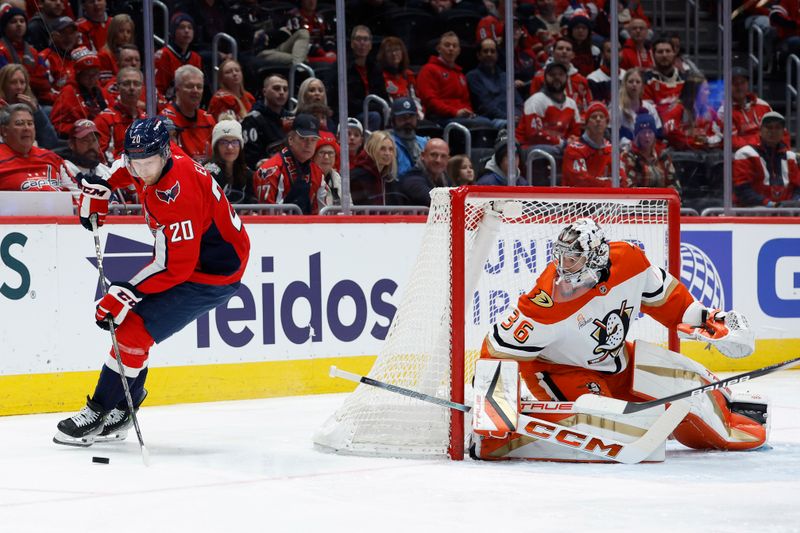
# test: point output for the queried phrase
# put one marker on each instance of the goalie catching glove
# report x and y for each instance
(119, 299)
(95, 193)
(729, 332)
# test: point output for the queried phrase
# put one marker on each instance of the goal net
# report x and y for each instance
(482, 248)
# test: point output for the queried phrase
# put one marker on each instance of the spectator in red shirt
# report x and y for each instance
(767, 174)
(94, 24)
(231, 94)
(194, 125)
(42, 15)
(577, 86)
(748, 109)
(784, 16)
(115, 120)
(587, 162)
(64, 39)
(290, 176)
(663, 84)
(120, 31)
(579, 32)
(393, 62)
(645, 162)
(550, 118)
(175, 54)
(443, 86)
(14, 49)
(635, 52)
(23, 166)
(82, 97)
(690, 123)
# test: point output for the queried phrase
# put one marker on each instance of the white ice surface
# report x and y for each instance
(250, 466)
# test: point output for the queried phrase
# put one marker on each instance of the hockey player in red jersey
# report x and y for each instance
(201, 251)
(569, 337)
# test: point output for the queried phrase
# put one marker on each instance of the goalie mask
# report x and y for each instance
(581, 254)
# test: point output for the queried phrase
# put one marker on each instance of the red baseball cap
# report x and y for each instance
(83, 127)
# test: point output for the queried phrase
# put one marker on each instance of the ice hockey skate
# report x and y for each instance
(82, 428)
(117, 423)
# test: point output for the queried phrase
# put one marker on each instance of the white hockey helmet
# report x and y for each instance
(580, 253)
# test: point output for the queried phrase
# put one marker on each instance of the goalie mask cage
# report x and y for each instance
(482, 248)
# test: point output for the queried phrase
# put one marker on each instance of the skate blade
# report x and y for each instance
(112, 437)
(66, 440)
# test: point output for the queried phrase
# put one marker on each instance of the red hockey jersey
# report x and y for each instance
(111, 126)
(40, 170)
(577, 87)
(199, 238)
(194, 133)
(587, 166)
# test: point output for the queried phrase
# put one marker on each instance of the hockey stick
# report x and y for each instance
(113, 332)
(622, 452)
(592, 403)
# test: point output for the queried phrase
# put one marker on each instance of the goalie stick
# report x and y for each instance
(112, 330)
(622, 452)
(592, 403)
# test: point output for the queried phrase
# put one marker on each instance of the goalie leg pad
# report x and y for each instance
(496, 397)
(711, 423)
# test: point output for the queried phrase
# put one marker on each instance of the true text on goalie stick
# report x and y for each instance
(623, 452)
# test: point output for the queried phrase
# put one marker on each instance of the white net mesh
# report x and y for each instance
(508, 243)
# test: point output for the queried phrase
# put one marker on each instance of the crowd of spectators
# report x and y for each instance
(69, 88)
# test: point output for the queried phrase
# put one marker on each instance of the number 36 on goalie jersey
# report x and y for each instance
(590, 331)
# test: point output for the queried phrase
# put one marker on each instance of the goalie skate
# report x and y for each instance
(117, 423)
(82, 428)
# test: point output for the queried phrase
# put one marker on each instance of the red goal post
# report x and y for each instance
(482, 247)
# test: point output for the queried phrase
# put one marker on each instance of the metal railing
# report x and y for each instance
(689, 212)
(293, 75)
(793, 90)
(751, 211)
(692, 9)
(464, 131)
(659, 13)
(755, 58)
(215, 55)
(163, 7)
(376, 210)
(540, 154)
(384, 105)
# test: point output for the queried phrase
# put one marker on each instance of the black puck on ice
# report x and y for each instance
(101, 460)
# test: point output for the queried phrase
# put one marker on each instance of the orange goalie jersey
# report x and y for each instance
(590, 330)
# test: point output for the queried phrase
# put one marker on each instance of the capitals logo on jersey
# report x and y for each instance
(171, 194)
(610, 332)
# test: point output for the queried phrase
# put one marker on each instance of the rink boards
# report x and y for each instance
(317, 291)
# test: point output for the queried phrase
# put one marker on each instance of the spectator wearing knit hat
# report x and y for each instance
(228, 166)
(326, 157)
(579, 32)
(645, 162)
(82, 96)
(176, 53)
(14, 49)
(587, 162)
(94, 24)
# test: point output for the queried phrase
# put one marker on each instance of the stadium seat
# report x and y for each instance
(426, 128)
(463, 22)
